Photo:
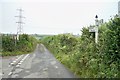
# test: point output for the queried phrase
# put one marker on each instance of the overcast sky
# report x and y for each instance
(54, 16)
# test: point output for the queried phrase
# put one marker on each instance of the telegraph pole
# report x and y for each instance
(20, 23)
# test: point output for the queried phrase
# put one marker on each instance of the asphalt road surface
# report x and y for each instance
(39, 64)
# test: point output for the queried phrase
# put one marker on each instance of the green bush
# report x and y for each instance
(8, 43)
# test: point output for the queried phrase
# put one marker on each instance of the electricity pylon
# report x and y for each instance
(20, 23)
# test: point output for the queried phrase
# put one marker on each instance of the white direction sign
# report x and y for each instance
(92, 29)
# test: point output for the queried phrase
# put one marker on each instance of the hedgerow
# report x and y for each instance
(11, 46)
(86, 58)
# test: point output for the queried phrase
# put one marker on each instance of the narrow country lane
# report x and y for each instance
(39, 64)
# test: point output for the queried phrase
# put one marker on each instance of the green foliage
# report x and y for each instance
(8, 43)
(86, 58)
(11, 47)
(26, 43)
(113, 38)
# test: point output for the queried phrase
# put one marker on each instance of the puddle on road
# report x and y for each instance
(18, 70)
(53, 62)
(45, 69)
(37, 61)
(27, 71)
(56, 67)
(14, 76)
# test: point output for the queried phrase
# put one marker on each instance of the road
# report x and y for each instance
(39, 64)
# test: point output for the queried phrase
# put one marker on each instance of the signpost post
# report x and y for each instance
(96, 29)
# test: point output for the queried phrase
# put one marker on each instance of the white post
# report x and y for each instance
(96, 29)
(96, 35)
